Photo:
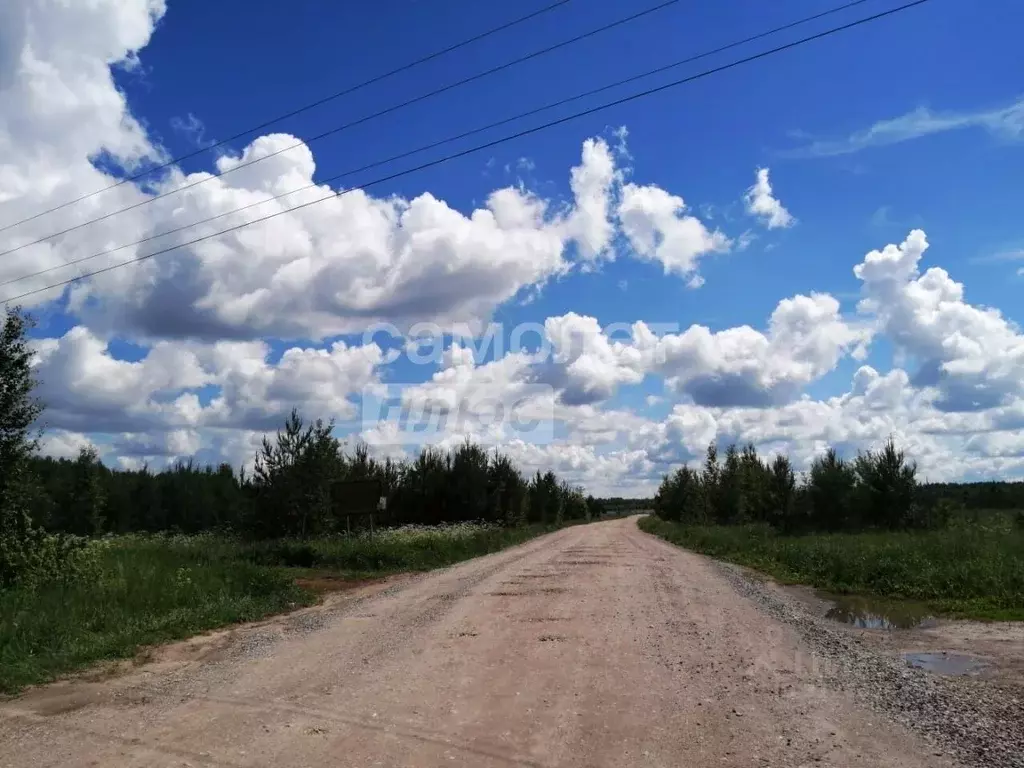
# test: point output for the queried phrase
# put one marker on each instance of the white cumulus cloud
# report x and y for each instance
(763, 204)
(659, 229)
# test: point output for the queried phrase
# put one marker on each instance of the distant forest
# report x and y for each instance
(294, 491)
(290, 492)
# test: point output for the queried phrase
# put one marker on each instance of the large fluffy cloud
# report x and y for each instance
(177, 385)
(973, 355)
(658, 228)
(351, 259)
(313, 270)
(805, 339)
(59, 112)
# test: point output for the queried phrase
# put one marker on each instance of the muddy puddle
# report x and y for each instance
(877, 613)
(945, 663)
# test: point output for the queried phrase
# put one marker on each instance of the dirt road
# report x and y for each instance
(595, 646)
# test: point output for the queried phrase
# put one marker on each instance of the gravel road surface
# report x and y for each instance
(597, 645)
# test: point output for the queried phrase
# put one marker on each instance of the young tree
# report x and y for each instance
(88, 500)
(680, 497)
(18, 411)
(754, 485)
(887, 484)
(469, 482)
(293, 477)
(596, 508)
(507, 490)
(731, 506)
(545, 504)
(573, 502)
(423, 494)
(18, 408)
(830, 490)
(710, 480)
(781, 483)
(27, 553)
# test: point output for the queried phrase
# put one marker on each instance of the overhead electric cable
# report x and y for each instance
(298, 111)
(488, 145)
(442, 142)
(346, 126)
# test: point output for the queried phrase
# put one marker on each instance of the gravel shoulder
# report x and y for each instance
(979, 718)
(597, 645)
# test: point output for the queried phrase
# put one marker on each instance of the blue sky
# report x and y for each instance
(702, 139)
(910, 123)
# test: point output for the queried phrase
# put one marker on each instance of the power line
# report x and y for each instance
(488, 145)
(300, 110)
(354, 123)
(436, 144)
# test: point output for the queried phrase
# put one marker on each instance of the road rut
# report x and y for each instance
(597, 645)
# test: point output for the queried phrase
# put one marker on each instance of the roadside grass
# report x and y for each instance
(150, 589)
(408, 548)
(973, 569)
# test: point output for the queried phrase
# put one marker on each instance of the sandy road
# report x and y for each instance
(594, 646)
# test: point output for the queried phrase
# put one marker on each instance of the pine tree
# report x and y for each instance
(710, 480)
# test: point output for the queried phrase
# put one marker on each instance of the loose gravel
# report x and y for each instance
(978, 720)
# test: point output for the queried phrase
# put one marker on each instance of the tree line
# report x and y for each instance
(621, 506)
(294, 491)
(48, 506)
(993, 494)
(876, 490)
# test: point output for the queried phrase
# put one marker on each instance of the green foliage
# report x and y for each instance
(681, 497)
(293, 478)
(877, 490)
(991, 495)
(404, 548)
(574, 503)
(33, 559)
(18, 409)
(971, 569)
(596, 508)
(29, 557)
(830, 489)
(781, 493)
(140, 590)
(886, 486)
(545, 499)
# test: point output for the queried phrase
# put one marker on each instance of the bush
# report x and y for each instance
(295, 554)
(30, 557)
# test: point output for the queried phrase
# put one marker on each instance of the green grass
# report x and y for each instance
(153, 589)
(145, 590)
(970, 570)
(409, 548)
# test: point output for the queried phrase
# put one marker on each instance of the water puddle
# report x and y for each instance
(877, 613)
(945, 663)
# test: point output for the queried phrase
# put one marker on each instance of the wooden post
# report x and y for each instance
(371, 526)
(348, 526)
